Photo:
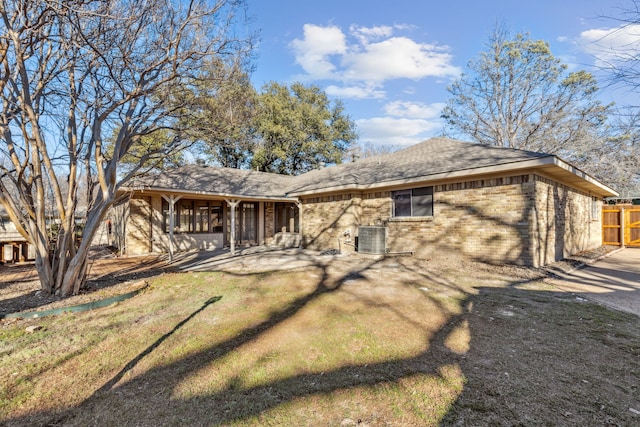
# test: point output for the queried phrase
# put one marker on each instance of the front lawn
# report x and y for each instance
(379, 342)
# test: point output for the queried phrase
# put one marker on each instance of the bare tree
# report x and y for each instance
(73, 73)
(616, 53)
(364, 150)
(617, 160)
(518, 95)
(616, 49)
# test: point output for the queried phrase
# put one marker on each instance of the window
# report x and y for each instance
(194, 216)
(287, 218)
(185, 216)
(216, 219)
(401, 203)
(202, 217)
(415, 202)
(595, 209)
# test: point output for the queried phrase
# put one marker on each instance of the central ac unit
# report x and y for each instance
(372, 240)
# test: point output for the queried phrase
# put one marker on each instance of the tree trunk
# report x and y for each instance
(75, 273)
(76, 269)
(45, 273)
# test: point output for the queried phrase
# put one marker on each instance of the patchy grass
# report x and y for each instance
(381, 343)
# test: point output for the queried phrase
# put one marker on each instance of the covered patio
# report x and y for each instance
(208, 209)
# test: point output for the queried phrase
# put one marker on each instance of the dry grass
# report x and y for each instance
(384, 342)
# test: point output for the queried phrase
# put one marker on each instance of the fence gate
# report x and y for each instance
(621, 225)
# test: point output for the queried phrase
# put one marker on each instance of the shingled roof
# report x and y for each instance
(432, 157)
(436, 158)
(230, 182)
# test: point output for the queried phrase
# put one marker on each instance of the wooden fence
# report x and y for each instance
(621, 225)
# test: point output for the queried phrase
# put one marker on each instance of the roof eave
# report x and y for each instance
(573, 176)
(584, 181)
(213, 195)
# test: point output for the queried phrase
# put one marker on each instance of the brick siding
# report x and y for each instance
(138, 227)
(562, 223)
(500, 220)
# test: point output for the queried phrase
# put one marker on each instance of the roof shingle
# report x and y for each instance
(216, 180)
(431, 157)
(434, 156)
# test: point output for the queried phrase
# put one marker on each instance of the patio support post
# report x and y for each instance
(299, 205)
(232, 233)
(171, 200)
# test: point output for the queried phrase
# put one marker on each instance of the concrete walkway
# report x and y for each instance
(613, 281)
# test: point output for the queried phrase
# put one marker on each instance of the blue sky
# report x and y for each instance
(391, 61)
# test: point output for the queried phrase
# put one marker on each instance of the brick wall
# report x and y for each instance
(492, 220)
(138, 227)
(159, 242)
(483, 219)
(325, 219)
(269, 221)
(564, 222)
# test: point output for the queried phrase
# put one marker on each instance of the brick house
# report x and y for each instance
(489, 203)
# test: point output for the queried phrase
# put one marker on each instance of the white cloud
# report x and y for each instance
(398, 57)
(314, 51)
(406, 27)
(393, 131)
(363, 60)
(366, 34)
(611, 44)
(355, 92)
(414, 110)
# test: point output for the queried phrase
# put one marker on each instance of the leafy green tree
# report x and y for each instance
(517, 94)
(299, 129)
(222, 120)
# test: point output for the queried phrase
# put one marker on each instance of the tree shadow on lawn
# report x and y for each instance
(102, 274)
(534, 357)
